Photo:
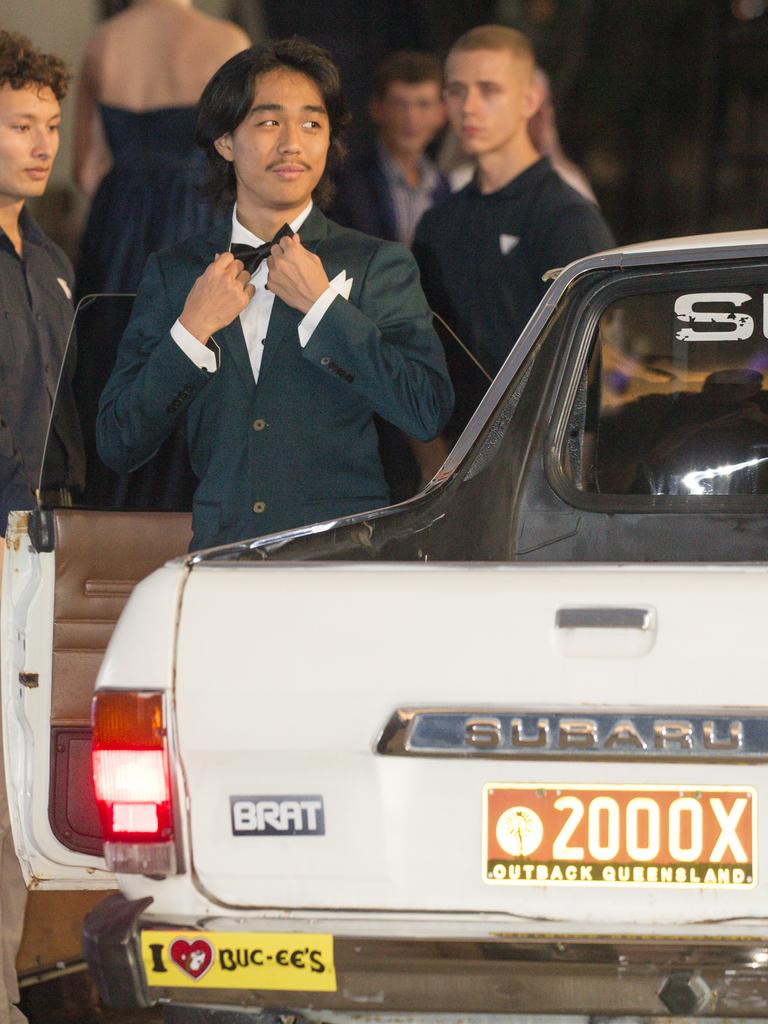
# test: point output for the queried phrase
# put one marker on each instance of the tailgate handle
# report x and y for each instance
(603, 618)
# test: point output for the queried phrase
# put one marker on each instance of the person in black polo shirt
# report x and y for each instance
(36, 278)
(482, 252)
(36, 283)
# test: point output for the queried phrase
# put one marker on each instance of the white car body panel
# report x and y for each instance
(145, 634)
(715, 240)
(294, 702)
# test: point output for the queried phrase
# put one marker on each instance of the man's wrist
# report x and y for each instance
(206, 357)
(320, 287)
(198, 331)
(306, 302)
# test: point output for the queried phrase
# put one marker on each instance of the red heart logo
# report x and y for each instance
(196, 958)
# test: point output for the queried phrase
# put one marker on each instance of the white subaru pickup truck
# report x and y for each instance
(502, 748)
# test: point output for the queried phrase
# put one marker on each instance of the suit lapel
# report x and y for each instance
(284, 321)
(217, 240)
(314, 229)
(229, 339)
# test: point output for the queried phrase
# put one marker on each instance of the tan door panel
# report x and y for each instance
(100, 557)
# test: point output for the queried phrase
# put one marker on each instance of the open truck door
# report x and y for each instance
(70, 566)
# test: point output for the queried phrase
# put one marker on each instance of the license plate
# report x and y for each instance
(631, 836)
(290, 962)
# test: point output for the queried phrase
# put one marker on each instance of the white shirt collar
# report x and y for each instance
(243, 236)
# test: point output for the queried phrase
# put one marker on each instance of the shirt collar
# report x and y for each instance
(29, 227)
(30, 232)
(243, 236)
(394, 174)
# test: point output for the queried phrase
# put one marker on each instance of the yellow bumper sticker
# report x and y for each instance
(291, 962)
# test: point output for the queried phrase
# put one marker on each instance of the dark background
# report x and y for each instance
(663, 103)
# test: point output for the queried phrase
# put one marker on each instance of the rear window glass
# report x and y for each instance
(673, 398)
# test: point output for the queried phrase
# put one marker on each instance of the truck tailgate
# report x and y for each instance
(286, 677)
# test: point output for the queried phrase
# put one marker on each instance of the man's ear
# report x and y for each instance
(223, 146)
(532, 100)
(538, 91)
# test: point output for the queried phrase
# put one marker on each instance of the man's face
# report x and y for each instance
(489, 95)
(280, 148)
(29, 140)
(408, 116)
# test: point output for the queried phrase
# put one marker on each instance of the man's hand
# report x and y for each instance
(430, 455)
(296, 275)
(219, 295)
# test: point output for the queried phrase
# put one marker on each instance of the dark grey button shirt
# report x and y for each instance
(35, 319)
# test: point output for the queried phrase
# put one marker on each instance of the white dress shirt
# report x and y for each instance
(254, 319)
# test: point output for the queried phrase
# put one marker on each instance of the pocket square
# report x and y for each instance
(508, 242)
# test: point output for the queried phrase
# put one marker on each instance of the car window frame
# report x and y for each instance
(573, 365)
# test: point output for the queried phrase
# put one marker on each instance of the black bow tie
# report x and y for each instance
(252, 256)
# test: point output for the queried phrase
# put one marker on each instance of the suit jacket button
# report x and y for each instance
(259, 506)
(259, 424)
(325, 361)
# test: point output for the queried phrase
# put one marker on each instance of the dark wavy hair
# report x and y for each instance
(411, 66)
(21, 65)
(228, 96)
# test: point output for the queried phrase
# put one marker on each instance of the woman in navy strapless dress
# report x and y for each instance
(135, 156)
(148, 200)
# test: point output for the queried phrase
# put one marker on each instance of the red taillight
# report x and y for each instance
(130, 767)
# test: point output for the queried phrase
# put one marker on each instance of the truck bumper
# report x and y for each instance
(457, 977)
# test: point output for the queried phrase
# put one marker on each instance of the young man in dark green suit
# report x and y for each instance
(275, 354)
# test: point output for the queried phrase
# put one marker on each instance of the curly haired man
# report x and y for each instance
(36, 283)
(36, 278)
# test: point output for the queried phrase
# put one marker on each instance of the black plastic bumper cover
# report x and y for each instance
(112, 951)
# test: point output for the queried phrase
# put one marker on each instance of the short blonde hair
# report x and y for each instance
(497, 37)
